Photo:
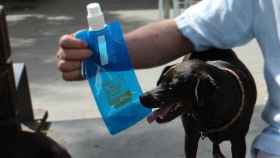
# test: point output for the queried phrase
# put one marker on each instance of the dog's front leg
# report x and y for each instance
(191, 143)
(238, 147)
(191, 137)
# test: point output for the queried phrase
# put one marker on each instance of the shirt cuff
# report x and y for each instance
(186, 26)
(268, 141)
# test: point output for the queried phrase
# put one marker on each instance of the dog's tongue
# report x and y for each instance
(160, 113)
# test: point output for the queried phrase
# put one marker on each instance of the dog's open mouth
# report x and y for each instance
(165, 114)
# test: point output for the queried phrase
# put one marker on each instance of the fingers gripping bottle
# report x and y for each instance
(110, 73)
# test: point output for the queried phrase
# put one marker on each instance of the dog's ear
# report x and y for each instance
(163, 73)
(205, 87)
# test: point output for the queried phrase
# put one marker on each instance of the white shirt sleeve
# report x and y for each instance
(218, 23)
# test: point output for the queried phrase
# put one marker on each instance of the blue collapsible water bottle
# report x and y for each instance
(110, 73)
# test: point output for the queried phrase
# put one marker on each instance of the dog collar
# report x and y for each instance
(196, 90)
(227, 125)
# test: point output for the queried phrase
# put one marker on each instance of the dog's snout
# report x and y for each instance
(147, 100)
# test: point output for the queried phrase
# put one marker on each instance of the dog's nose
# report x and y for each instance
(147, 100)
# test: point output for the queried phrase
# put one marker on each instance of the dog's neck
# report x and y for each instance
(219, 108)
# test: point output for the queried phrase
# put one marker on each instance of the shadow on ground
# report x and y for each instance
(89, 138)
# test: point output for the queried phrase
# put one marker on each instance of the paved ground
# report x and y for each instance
(34, 32)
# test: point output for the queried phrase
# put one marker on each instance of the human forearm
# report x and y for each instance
(148, 46)
(156, 44)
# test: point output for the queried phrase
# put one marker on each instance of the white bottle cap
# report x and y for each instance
(95, 17)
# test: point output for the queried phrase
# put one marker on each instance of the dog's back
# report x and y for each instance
(213, 54)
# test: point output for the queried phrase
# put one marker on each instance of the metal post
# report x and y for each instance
(5, 49)
(23, 98)
(173, 8)
(8, 119)
(15, 98)
(164, 8)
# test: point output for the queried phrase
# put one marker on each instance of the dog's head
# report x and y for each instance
(180, 89)
(33, 145)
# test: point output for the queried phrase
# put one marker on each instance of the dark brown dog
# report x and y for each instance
(21, 144)
(215, 94)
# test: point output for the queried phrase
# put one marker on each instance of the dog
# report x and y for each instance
(16, 143)
(215, 95)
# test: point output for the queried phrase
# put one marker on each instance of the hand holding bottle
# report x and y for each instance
(70, 55)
